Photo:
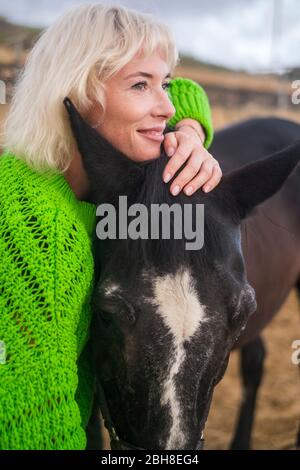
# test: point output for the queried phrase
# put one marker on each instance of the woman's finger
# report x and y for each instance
(214, 180)
(170, 143)
(190, 170)
(182, 153)
(203, 176)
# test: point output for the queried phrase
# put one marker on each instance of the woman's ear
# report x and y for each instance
(111, 173)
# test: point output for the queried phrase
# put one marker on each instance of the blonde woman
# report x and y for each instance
(116, 66)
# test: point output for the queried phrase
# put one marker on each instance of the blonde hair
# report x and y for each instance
(74, 57)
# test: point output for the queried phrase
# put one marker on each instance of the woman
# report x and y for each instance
(47, 225)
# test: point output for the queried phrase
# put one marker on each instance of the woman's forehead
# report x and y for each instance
(154, 64)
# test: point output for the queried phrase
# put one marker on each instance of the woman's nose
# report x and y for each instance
(164, 106)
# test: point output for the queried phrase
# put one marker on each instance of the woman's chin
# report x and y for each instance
(150, 153)
(145, 149)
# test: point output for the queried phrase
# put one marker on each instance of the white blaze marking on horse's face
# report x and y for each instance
(176, 301)
(176, 436)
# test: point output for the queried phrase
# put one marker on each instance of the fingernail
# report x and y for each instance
(188, 190)
(170, 151)
(206, 189)
(176, 190)
(167, 177)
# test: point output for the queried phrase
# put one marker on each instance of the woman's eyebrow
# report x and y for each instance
(144, 74)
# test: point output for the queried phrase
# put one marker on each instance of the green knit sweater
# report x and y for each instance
(46, 280)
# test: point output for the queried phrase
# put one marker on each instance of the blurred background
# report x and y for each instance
(246, 55)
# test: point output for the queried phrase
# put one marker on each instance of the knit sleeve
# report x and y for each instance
(43, 297)
(191, 101)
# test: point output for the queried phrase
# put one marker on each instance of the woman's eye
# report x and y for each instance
(167, 85)
(141, 85)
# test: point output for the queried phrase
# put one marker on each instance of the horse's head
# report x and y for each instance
(165, 317)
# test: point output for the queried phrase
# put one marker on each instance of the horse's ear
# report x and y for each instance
(111, 173)
(256, 182)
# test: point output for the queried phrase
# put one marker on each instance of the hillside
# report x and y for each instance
(228, 89)
(12, 34)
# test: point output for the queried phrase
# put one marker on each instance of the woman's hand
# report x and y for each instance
(201, 170)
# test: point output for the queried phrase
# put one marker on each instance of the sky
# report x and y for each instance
(233, 33)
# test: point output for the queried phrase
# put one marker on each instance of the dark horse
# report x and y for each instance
(166, 318)
(271, 248)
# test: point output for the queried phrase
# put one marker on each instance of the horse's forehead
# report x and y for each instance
(176, 301)
(174, 298)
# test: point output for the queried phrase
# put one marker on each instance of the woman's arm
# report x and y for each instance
(191, 101)
(45, 271)
(193, 134)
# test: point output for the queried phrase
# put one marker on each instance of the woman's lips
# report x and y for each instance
(153, 135)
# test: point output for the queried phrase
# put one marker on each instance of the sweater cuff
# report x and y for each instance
(191, 101)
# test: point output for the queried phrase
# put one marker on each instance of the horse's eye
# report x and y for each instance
(106, 316)
(127, 313)
(119, 309)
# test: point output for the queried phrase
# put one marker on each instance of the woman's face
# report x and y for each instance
(137, 102)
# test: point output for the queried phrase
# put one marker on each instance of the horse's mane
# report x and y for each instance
(113, 174)
(163, 254)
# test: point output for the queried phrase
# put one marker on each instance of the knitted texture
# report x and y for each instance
(46, 280)
(46, 276)
(191, 101)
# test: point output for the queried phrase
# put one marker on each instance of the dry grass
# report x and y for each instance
(7, 55)
(233, 80)
(224, 116)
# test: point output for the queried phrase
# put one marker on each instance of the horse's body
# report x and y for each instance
(165, 318)
(271, 246)
(271, 235)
